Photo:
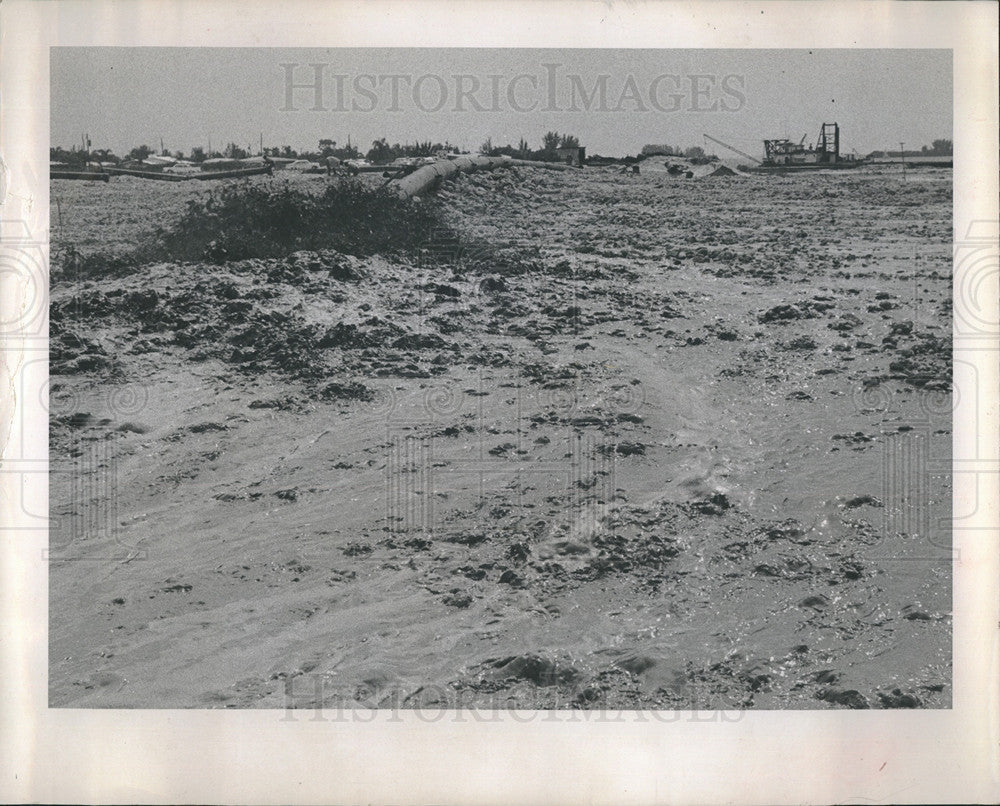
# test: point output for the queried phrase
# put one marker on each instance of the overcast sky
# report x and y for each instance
(615, 101)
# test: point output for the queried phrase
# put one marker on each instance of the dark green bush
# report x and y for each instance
(252, 220)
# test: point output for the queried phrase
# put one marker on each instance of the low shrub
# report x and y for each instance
(252, 220)
(259, 221)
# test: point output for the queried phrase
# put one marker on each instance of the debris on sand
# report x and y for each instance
(522, 457)
(682, 168)
(847, 698)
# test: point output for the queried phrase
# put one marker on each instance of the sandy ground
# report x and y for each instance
(637, 442)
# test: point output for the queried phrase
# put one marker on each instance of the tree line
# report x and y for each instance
(547, 153)
(380, 153)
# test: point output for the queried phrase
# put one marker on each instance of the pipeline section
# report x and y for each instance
(430, 176)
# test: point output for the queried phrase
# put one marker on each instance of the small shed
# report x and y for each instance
(572, 156)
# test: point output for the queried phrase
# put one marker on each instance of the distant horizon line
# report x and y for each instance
(258, 149)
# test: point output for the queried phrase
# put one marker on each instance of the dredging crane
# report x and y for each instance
(731, 148)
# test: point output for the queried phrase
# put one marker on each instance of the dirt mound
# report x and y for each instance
(723, 170)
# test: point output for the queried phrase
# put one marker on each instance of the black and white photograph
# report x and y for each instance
(456, 403)
(533, 379)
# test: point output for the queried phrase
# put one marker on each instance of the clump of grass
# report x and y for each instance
(259, 221)
(248, 220)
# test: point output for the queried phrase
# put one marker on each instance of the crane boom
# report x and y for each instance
(726, 145)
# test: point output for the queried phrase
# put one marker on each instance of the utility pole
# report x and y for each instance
(902, 159)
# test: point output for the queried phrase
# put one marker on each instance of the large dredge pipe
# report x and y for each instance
(428, 177)
(202, 176)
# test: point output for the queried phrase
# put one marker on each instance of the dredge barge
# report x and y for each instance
(781, 156)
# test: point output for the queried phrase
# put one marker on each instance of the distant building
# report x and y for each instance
(572, 156)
